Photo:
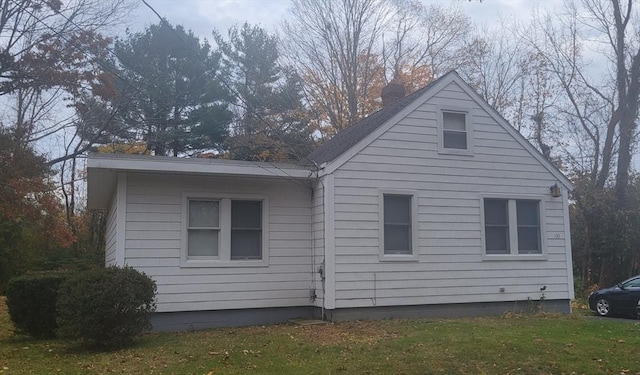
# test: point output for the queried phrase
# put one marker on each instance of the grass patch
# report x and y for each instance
(542, 344)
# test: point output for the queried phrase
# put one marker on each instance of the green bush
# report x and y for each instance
(31, 300)
(106, 308)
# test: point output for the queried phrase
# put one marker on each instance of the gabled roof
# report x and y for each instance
(347, 138)
(351, 140)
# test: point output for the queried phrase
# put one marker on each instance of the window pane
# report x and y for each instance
(204, 214)
(202, 242)
(529, 240)
(632, 284)
(497, 240)
(456, 140)
(246, 214)
(397, 239)
(246, 244)
(397, 209)
(528, 212)
(496, 212)
(454, 121)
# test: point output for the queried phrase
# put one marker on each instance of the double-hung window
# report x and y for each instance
(512, 226)
(454, 127)
(224, 231)
(454, 130)
(398, 226)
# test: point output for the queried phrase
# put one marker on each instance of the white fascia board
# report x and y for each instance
(197, 166)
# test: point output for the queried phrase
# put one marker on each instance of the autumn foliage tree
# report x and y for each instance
(31, 215)
(53, 57)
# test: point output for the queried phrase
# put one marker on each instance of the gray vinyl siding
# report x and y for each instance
(154, 239)
(110, 236)
(450, 266)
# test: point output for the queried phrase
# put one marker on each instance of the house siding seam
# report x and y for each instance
(450, 266)
(153, 244)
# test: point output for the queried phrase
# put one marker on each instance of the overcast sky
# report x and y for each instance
(202, 16)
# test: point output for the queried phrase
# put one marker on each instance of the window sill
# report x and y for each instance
(200, 263)
(398, 258)
(453, 151)
(514, 257)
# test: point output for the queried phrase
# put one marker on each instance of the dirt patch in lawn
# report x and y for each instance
(357, 332)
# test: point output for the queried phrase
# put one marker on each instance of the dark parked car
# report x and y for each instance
(620, 299)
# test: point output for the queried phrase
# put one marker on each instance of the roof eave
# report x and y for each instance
(103, 170)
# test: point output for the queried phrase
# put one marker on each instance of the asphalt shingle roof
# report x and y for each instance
(347, 138)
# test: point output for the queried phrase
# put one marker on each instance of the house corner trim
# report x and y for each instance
(121, 209)
(567, 242)
(329, 245)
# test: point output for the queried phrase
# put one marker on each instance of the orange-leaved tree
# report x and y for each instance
(31, 216)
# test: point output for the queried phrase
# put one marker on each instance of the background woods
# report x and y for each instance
(72, 81)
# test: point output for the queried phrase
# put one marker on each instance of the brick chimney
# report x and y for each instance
(393, 91)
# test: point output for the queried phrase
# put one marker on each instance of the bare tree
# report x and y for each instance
(50, 53)
(334, 46)
(349, 48)
(430, 36)
(604, 107)
(599, 114)
(53, 56)
(494, 65)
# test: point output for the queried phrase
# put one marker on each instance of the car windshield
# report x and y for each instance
(633, 283)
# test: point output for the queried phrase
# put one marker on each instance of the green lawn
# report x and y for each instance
(502, 345)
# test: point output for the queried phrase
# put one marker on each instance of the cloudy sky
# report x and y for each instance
(202, 16)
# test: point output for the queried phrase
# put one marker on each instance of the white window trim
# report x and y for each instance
(413, 257)
(468, 126)
(224, 247)
(513, 228)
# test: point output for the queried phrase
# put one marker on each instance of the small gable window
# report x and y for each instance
(454, 129)
(454, 133)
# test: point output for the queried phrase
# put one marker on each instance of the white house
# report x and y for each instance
(434, 205)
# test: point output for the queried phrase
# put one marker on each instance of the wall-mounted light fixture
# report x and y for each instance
(555, 191)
